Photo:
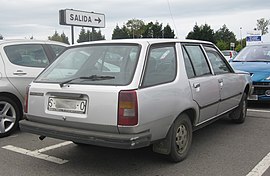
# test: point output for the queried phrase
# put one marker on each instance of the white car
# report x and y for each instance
(20, 62)
(134, 93)
(229, 54)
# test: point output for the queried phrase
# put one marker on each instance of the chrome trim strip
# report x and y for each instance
(216, 116)
(36, 94)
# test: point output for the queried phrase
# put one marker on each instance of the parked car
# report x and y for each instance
(20, 62)
(133, 93)
(255, 59)
(229, 54)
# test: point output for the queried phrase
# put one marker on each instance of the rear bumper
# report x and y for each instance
(259, 98)
(123, 141)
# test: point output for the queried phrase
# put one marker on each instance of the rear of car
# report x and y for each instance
(229, 54)
(255, 59)
(91, 89)
(20, 62)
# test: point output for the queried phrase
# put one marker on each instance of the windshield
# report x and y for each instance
(114, 63)
(255, 53)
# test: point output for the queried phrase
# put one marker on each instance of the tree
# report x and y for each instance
(152, 30)
(224, 36)
(120, 33)
(96, 35)
(83, 36)
(136, 28)
(262, 25)
(64, 38)
(204, 32)
(60, 38)
(240, 46)
(222, 45)
(90, 36)
(168, 32)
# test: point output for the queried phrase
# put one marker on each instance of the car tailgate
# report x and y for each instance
(74, 104)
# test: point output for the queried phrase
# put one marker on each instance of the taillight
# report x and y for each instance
(127, 108)
(26, 99)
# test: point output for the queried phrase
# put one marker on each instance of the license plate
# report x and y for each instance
(67, 105)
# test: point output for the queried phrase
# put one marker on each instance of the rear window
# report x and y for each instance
(112, 64)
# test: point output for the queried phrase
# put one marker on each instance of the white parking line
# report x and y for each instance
(261, 167)
(258, 113)
(258, 110)
(38, 154)
(54, 146)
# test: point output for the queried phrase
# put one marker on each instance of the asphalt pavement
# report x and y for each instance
(220, 149)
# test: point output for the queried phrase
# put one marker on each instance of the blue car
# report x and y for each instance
(255, 59)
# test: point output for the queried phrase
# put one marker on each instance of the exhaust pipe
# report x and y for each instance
(41, 137)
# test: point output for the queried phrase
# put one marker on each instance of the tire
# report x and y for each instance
(239, 114)
(181, 138)
(9, 116)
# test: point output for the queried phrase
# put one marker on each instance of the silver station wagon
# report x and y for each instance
(135, 93)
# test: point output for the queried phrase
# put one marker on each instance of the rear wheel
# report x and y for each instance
(181, 138)
(240, 113)
(9, 116)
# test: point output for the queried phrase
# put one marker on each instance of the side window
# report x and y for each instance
(188, 65)
(218, 64)
(57, 49)
(29, 55)
(198, 60)
(160, 66)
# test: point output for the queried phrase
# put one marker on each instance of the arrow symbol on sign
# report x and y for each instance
(98, 20)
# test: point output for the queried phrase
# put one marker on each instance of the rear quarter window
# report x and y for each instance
(57, 49)
(29, 55)
(160, 66)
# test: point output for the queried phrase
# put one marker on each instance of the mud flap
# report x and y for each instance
(164, 146)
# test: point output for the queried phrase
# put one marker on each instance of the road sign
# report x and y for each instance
(254, 38)
(81, 18)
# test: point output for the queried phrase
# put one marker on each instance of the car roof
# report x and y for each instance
(17, 41)
(142, 41)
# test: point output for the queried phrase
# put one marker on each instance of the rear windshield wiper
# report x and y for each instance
(92, 77)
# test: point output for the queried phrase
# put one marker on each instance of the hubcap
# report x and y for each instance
(7, 116)
(181, 138)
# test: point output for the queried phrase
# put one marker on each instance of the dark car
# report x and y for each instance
(255, 59)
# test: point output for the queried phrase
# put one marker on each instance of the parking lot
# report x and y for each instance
(223, 148)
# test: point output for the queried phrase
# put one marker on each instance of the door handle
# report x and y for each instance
(220, 80)
(196, 85)
(19, 73)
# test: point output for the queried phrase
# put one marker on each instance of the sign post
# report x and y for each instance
(81, 18)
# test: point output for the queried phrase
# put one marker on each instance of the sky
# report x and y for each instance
(40, 18)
